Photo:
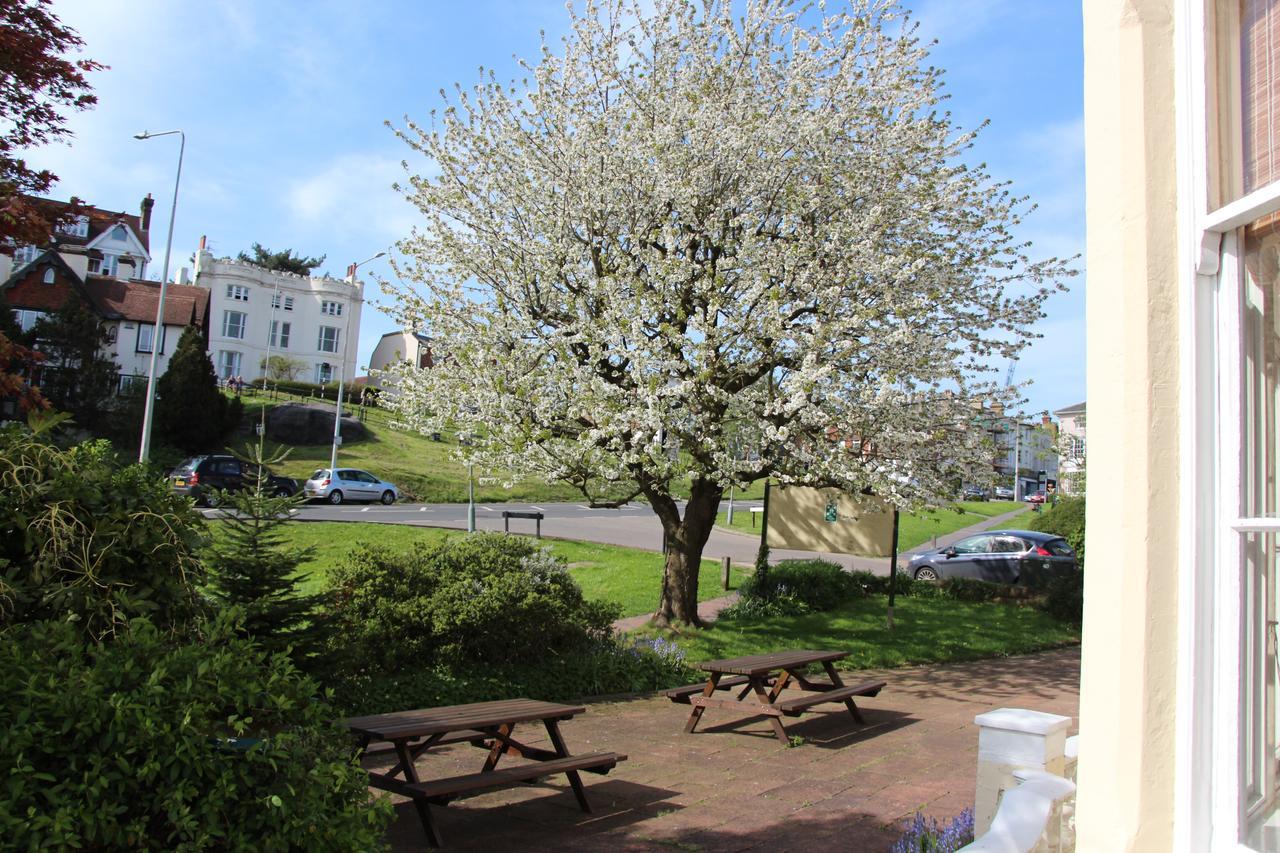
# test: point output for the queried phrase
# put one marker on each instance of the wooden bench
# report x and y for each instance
(682, 694)
(794, 707)
(443, 790)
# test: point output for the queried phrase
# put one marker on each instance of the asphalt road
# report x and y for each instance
(632, 526)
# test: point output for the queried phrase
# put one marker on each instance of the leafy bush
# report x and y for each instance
(958, 589)
(85, 539)
(129, 745)
(603, 667)
(328, 391)
(1064, 600)
(925, 835)
(806, 584)
(1066, 519)
(479, 598)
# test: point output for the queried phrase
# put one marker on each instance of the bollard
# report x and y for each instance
(724, 573)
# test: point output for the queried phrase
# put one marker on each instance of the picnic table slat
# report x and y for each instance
(452, 718)
(766, 663)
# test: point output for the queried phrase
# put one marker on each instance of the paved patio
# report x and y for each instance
(730, 786)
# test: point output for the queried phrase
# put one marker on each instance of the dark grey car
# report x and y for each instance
(1000, 556)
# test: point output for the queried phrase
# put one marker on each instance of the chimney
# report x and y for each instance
(147, 204)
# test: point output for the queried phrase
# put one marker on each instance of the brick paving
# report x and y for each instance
(730, 786)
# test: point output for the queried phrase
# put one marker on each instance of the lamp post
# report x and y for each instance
(342, 370)
(157, 336)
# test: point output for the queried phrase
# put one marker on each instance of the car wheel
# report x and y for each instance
(925, 573)
(335, 497)
(388, 498)
(212, 499)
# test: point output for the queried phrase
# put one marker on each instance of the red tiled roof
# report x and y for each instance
(99, 220)
(136, 300)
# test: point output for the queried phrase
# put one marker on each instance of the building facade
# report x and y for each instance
(1071, 449)
(1025, 456)
(397, 348)
(1179, 673)
(256, 314)
(112, 243)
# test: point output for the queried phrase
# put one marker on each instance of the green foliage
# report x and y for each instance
(955, 589)
(85, 539)
(285, 261)
(76, 378)
(602, 667)
(133, 745)
(793, 587)
(191, 413)
(1064, 600)
(480, 598)
(1066, 519)
(252, 568)
(365, 395)
(282, 367)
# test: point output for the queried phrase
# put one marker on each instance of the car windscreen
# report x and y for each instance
(320, 474)
(189, 465)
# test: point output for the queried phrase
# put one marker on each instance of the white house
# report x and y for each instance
(1026, 454)
(1071, 447)
(398, 347)
(256, 312)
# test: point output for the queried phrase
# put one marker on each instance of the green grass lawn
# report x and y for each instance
(913, 528)
(926, 630)
(1018, 522)
(628, 576)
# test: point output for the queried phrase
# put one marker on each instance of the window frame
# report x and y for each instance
(150, 327)
(226, 324)
(320, 339)
(281, 330)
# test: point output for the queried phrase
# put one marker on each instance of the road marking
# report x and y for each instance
(423, 509)
(488, 509)
(366, 509)
(584, 506)
(538, 508)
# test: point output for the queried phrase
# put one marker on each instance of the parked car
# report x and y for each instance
(201, 476)
(349, 484)
(1003, 493)
(973, 493)
(1001, 556)
(1035, 497)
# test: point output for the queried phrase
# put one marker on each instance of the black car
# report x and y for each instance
(1002, 556)
(201, 476)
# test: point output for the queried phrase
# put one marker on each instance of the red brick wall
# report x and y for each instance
(32, 293)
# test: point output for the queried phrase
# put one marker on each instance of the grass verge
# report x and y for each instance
(628, 576)
(926, 630)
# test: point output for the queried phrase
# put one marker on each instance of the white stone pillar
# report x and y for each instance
(1014, 739)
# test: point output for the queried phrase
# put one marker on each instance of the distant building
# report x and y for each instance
(397, 348)
(313, 320)
(1071, 447)
(93, 259)
(1025, 456)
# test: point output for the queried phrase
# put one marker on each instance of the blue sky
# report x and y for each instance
(284, 106)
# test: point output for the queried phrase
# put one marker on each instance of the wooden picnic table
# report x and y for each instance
(766, 676)
(488, 725)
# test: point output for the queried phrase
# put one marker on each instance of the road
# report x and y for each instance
(632, 526)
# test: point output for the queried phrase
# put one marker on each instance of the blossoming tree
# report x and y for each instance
(695, 250)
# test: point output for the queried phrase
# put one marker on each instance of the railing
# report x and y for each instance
(1026, 784)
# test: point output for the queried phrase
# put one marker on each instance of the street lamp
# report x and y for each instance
(157, 336)
(342, 370)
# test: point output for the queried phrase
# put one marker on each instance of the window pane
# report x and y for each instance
(1259, 91)
(1261, 366)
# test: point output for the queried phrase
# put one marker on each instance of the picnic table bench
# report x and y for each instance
(488, 725)
(767, 676)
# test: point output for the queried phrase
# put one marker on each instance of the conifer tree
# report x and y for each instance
(191, 413)
(251, 568)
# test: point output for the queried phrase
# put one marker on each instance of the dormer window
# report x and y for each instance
(78, 227)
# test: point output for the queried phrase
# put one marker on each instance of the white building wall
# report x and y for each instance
(306, 296)
(123, 349)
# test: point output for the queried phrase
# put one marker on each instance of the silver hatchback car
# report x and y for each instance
(343, 484)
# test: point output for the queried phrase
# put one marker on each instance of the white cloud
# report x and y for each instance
(353, 192)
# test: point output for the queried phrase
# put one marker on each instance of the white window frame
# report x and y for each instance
(321, 379)
(151, 337)
(337, 339)
(238, 292)
(24, 255)
(1208, 800)
(285, 329)
(229, 367)
(280, 302)
(330, 308)
(226, 325)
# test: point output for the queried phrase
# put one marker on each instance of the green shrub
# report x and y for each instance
(959, 589)
(603, 667)
(128, 745)
(1064, 600)
(811, 584)
(328, 391)
(480, 598)
(1065, 519)
(85, 539)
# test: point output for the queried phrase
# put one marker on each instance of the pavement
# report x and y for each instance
(731, 787)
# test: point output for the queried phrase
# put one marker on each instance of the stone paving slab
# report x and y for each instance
(731, 787)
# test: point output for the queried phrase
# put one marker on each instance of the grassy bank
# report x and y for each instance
(628, 576)
(926, 630)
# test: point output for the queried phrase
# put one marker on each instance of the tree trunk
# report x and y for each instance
(685, 539)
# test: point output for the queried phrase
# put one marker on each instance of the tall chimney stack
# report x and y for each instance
(147, 204)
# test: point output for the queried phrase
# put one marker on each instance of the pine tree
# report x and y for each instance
(191, 413)
(250, 568)
(76, 377)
